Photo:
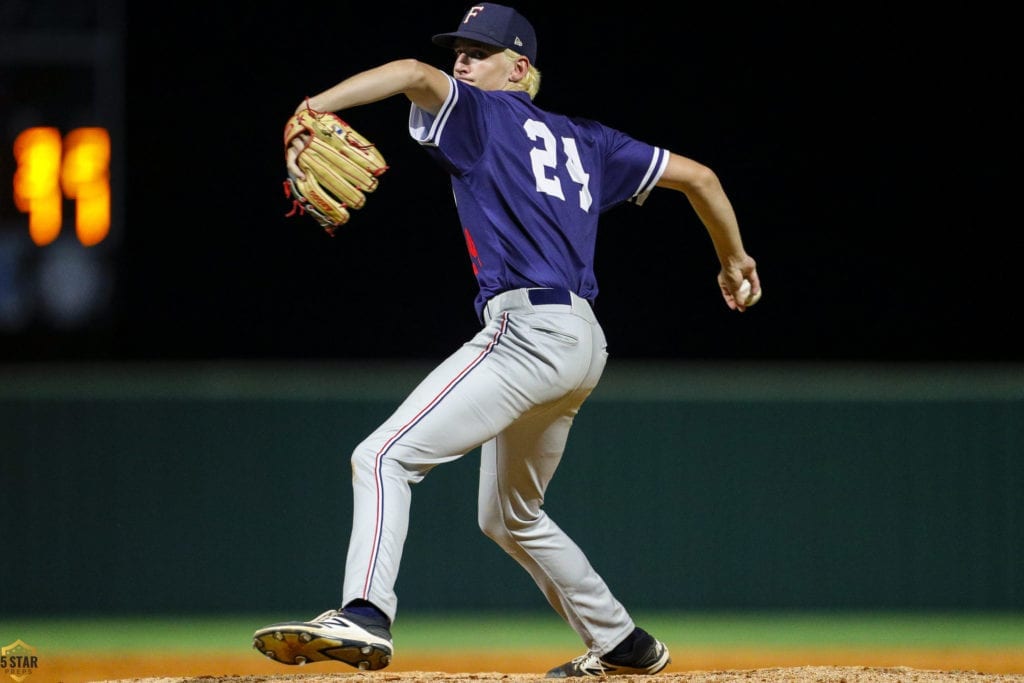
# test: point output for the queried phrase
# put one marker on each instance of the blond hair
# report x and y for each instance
(531, 82)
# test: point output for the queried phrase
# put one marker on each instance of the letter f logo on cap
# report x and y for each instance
(473, 11)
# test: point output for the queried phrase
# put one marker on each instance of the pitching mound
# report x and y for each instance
(807, 674)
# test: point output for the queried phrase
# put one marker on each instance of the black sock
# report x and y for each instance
(623, 653)
(365, 608)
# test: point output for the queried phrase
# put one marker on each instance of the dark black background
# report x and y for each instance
(872, 159)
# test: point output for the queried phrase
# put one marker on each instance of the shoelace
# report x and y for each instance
(590, 662)
(337, 617)
(327, 616)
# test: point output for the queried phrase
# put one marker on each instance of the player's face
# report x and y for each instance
(482, 66)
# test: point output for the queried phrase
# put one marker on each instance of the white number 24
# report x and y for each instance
(546, 156)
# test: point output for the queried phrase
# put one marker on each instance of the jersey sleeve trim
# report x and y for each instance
(426, 128)
(659, 161)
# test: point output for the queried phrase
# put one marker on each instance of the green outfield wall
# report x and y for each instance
(222, 487)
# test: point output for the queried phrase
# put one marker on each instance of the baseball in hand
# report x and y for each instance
(745, 297)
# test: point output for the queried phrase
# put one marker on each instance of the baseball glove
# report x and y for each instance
(340, 166)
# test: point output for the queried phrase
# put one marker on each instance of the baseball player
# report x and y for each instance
(529, 187)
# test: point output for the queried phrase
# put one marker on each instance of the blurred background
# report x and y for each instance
(183, 368)
(873, 161)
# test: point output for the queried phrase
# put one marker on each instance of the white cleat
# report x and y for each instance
(333, 636)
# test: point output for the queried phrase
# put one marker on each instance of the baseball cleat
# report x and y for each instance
(649, 656)
(334, 636)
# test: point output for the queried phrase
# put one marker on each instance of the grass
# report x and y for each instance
(532, 631)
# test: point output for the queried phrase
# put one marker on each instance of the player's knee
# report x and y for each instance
(398, 463)
(504, 527)
(363, 457)
(492, 526)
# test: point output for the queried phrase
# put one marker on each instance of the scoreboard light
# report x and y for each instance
(50, 169)
(85, 177)
(61, 169)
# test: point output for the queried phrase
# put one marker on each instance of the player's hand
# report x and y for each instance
(741, 287)
(291, 156)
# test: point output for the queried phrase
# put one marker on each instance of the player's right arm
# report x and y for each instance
(707, 197)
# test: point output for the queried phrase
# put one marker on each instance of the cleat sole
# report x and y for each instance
(299, 647)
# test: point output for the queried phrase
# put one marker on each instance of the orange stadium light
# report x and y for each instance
(36, 182)
(86, 179)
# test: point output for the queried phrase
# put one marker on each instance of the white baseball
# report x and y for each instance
(745, 297)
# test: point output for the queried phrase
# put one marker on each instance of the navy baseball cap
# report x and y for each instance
(496, 25)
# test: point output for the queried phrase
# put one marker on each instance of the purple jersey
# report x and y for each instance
(529, 185)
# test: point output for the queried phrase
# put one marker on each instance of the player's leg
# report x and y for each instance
(516, 468)
(504, 372)
(437, 423)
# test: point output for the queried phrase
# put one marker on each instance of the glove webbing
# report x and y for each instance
(329, 218)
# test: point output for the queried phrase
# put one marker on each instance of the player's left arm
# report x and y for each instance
(706, 195)
(425, 85)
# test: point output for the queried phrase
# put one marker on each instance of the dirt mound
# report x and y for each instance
(805, 674)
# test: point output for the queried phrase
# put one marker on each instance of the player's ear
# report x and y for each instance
(520, 68)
